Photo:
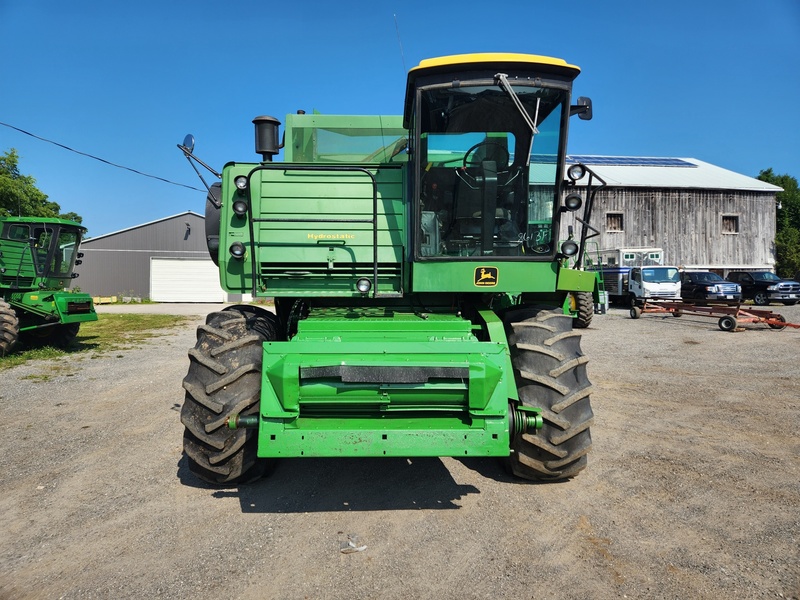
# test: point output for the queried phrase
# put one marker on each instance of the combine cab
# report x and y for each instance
(37, 257)
(418, 280)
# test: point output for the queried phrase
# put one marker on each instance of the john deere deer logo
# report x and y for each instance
(486, 276)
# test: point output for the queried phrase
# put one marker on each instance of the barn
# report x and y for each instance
(703, 216)
(164, 260)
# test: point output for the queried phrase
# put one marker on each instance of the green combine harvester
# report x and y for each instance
(421, 291)
(37, 258)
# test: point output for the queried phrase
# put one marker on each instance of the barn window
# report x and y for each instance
(614, 222)
(730, 223)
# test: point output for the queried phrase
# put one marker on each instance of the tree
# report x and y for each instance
(19, 195)
(787, 235)
(787, 250)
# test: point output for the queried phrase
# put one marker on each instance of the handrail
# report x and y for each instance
(587, 215)
(331, 168)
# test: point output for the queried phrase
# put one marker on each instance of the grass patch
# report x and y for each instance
(110, 333)
(57, 370)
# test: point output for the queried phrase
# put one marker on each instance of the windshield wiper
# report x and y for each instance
(502, 79)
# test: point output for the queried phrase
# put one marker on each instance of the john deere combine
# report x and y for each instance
(37, 257)
(418, 278)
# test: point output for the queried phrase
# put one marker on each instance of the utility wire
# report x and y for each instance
(102, 160)
(400, 42)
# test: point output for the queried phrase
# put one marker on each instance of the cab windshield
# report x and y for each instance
(488, 184)
(661, 274)
(53, 250)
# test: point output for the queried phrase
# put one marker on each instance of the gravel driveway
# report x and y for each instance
(692, 490)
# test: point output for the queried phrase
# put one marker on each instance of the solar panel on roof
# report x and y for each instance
(629, 161)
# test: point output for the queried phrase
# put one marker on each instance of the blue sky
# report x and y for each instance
(717, 80)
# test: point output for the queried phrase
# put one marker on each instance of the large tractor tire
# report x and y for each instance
(550, 373)
(224, 379)
(583, 305)
(9, 328)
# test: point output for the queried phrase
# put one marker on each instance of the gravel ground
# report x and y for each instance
(692, 491)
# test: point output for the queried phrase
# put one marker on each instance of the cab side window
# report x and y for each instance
(17, 232)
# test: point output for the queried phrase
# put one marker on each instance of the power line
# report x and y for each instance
(400, 42)
(102, 160)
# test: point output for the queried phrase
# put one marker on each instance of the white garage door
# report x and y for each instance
(185, 280)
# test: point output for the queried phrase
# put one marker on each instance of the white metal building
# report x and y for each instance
(164, 261)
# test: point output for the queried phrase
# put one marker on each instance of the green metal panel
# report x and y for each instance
(312, 230)
(385, 383)
(570, 280)
(52, 307)
(16, 263)
(491, 276)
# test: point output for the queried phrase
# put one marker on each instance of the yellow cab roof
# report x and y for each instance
(491, 57)
(499, 60)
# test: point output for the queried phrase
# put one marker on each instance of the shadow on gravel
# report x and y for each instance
(345, 484)
(84, 343)
(494, 469)
(79, 344)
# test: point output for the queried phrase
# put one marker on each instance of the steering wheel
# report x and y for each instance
(509, 173)
(479, 144)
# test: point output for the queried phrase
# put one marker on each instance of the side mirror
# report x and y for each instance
(583, 108)
(188, 142)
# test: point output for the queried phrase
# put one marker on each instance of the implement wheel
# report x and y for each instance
(778, 325)
(583, 304)
(225, 379)
(635, 312)
(9, 328)
(727, 323)
(550, 373)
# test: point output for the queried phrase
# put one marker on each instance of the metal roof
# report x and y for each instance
(105, 235)
(661, 172)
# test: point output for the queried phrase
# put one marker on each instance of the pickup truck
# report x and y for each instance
(764, 287)
(705, 286)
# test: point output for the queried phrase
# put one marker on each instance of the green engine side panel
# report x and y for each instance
(16, 265)
(388, 383)
(312, 231)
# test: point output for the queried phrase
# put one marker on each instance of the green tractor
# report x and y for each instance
(418, 278)
(37, 257)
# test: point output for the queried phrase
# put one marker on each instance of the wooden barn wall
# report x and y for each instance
(687, 224)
